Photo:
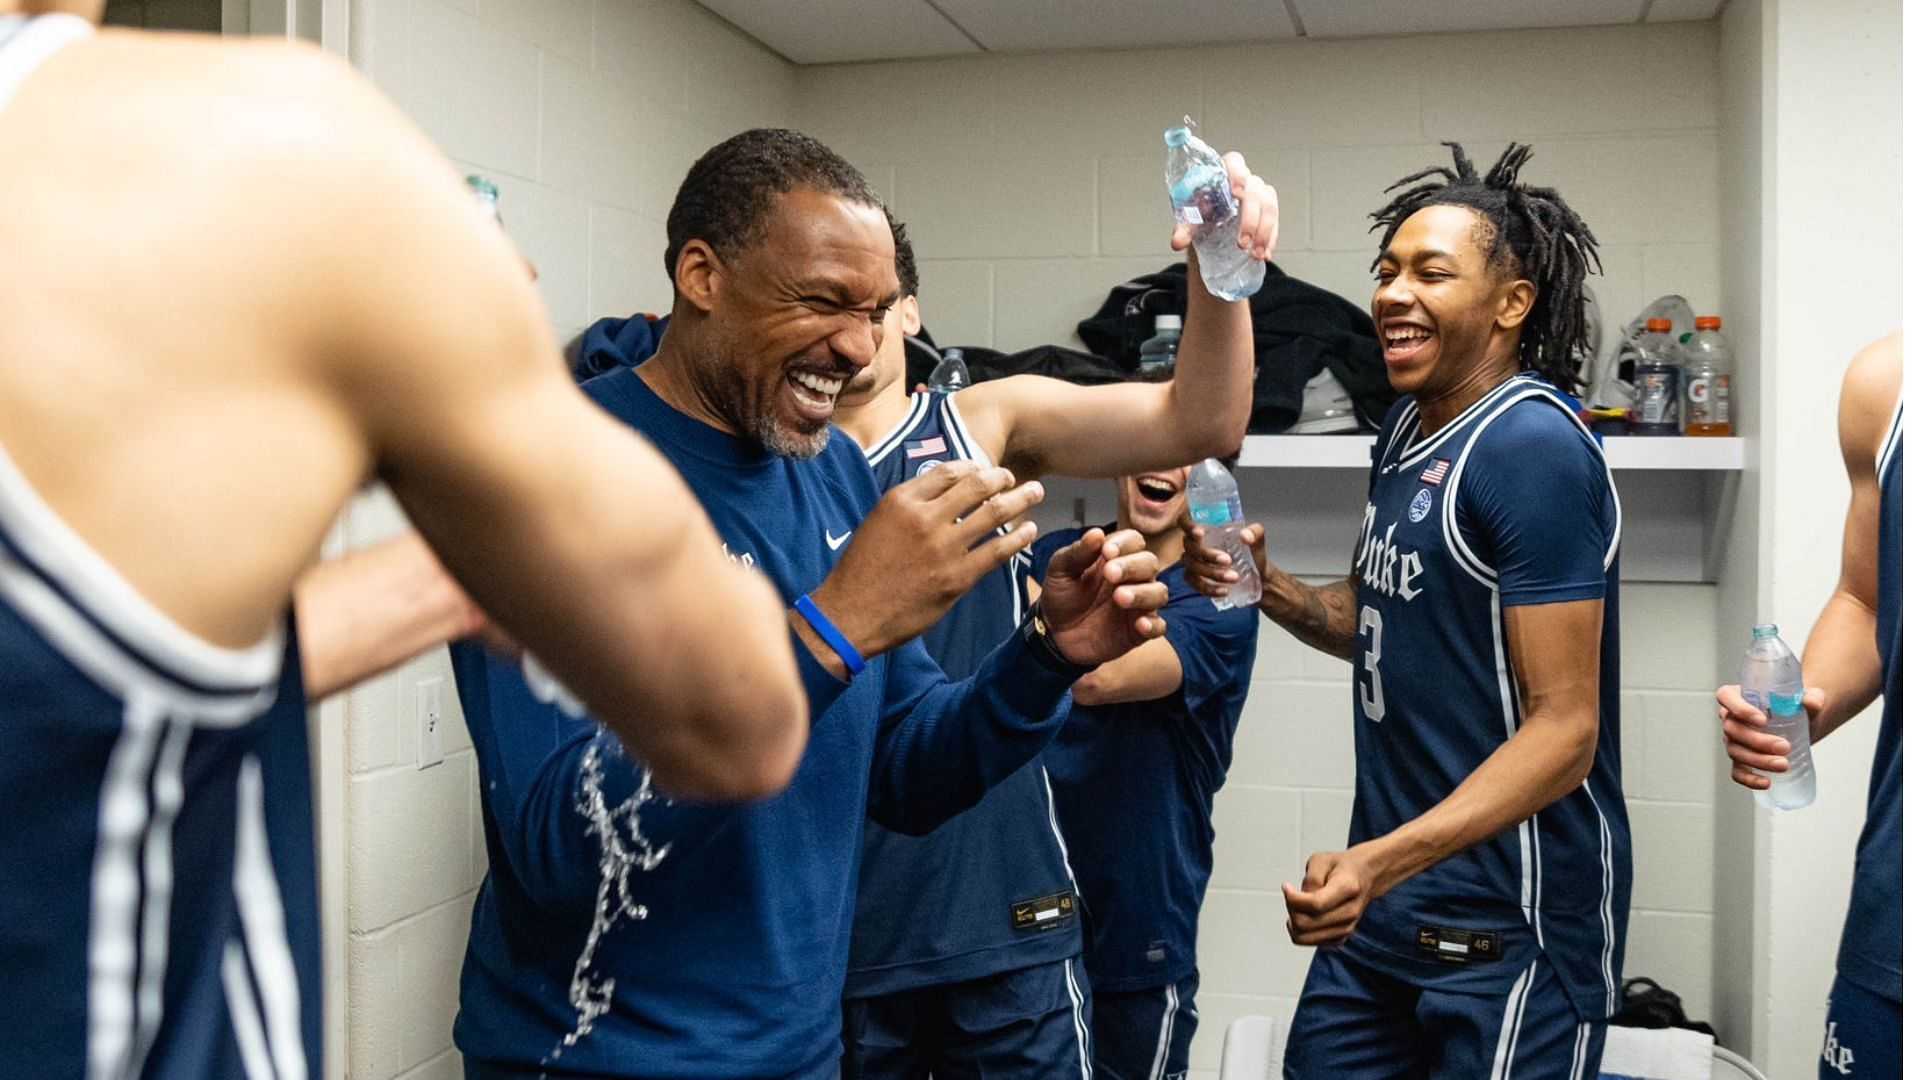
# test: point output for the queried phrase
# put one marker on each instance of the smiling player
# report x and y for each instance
(1480, 911)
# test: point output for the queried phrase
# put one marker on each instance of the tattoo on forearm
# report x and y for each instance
(1321, 617)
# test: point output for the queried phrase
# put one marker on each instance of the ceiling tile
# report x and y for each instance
(838, 31)
(1025, 26)
(1684, 10)
(1344, 18)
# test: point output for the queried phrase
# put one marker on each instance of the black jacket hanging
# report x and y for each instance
(1298, 330)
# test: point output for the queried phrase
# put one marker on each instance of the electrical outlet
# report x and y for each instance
(430, 716)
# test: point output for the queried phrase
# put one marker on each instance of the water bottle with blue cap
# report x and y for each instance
(1203, 199)
(1770, 681)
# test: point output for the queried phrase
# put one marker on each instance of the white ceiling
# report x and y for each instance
(843, 31)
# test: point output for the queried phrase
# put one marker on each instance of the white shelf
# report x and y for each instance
(1666, 452)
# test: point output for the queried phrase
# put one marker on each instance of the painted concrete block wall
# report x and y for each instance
(1031, 185)
(587, 114)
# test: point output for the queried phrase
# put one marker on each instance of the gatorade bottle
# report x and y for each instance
(1709, 380)
(1656, 382)
(1203, 198)
(950, 374)
(1770, 682)
(1157, 352)
(1213, 498)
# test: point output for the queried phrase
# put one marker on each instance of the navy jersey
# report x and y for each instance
(1508, 504)
(1870, 943)
(947, 907)
(1135, 783)
(158, 909)
(621, 934)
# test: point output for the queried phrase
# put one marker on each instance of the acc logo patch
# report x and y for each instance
(1422, 504)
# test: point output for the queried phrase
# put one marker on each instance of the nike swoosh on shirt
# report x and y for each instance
(834, 542)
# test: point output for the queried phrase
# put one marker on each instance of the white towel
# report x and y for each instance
(1657, 1054)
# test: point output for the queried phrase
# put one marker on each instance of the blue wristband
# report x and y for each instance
(830, 634)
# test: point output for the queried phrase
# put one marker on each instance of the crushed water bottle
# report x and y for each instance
(1213, 498)
(1770, 682)
(950, 374)
(1203, 198)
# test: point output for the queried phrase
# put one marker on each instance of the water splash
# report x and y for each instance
(624, 850)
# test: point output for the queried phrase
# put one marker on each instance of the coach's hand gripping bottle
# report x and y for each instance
(1213, 498)
(1770, 682)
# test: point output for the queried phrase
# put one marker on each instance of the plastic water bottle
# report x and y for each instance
(1157, 352)
(1709, 407)
(1213, 498)
(950, 374)
(1770, 681)
(1203, 198)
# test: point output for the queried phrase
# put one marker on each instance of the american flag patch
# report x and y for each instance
(927, 447)
(1436, 471)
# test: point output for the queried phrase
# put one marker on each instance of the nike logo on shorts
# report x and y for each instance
(834, 542)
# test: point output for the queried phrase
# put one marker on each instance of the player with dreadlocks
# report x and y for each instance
(1476, 923)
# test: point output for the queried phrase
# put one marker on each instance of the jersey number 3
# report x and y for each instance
(1373, 699)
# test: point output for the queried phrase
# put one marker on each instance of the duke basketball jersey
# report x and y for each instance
(991, 890)
(158, 904)
(1870, 943)
(1508, 504)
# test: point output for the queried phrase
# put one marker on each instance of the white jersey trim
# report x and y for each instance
(59, 552)
(115, 914)
(1606, 893)
(263, 921)
(1508, 1045)
(950, 419)
(1053, 822)
(1580, 1051)
(1422, 446)
(28, 42)
(1079, 999)
(1889, 443)
(1165, 1043)
(245, 1014)
(916, 411)
(1463, 553)
(107, 664)
(1386, 461)
(169, 793)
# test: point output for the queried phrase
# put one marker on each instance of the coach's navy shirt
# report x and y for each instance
(618, 936)
(1135, 785)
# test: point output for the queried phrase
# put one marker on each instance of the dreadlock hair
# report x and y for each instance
(728, 193)
(904, 267)
(1528, 233)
